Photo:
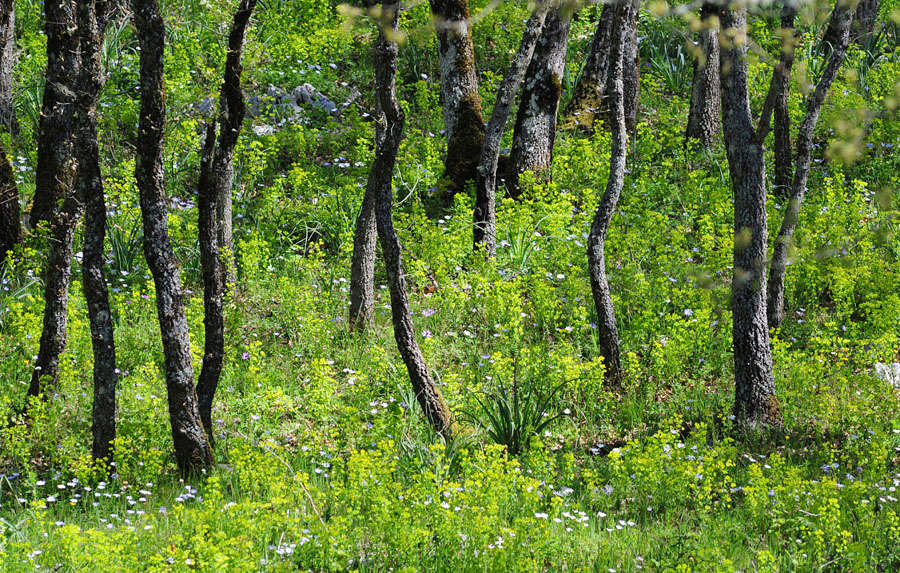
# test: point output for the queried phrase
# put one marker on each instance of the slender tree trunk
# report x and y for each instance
(192, 448)
(216, 178)
(225, 224)
(91, 26)
(10, 222)
(589, 95)
(607, 330)
(57, 170)
(755, 402)
(535, 131)
(7, 63)
(777, 103)
(705, 116)
(58, 277)
(864, 21)
(484, 229)
(460, 101)
(55, 175)
(362, 265)
(213, 283)
(841, 17)
(864, 18)
(427, 392)
(631, 69)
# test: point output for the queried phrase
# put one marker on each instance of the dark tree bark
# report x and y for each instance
(535, 131)
(10, 222)
(192, 448)
(58, 277)
(864, 20)
(55, 175)
(777, 103)
(755, 403)
(608, 333)
(57, 170)
(841, 19)
(631, 68)
(705, 115)
(7, 63)
(216, 177)
(91, 25)
(427, 392)
(484, 229)
(589, 95)
(460, 101)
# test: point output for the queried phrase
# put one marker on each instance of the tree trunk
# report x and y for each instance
(484, 230)
(590, 90)
(755, 402)
(460, 101)
(535, 131)
(631, 68)
(864, 18)
(91, 26)
(7, 63)
(216, 178)
(45, 377)
(705, 116)
(427, 392)
(57, 170)
(192, 448)
(777, 103)
(607, 330)
(225, 224)
(864, 21)
(55, 175)
(10, 222)
(362, 265)
(841, 18)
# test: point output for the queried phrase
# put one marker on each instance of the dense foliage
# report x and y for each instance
(325, 462)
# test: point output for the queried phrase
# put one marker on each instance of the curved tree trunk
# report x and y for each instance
(755, 402)
(484, 230)
(55, 175)
(10, 221)
(460, 101)
(777, 103)
(91, 26)
(535, 131)
(7, 63)
(607, 330)
(589, 94)
(192, 448)
(841, 18)
(705, 115)
(216, 178)
(427, 392)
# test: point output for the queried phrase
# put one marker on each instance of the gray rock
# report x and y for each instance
(261, 130)
(890, 373)
(308, 94)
